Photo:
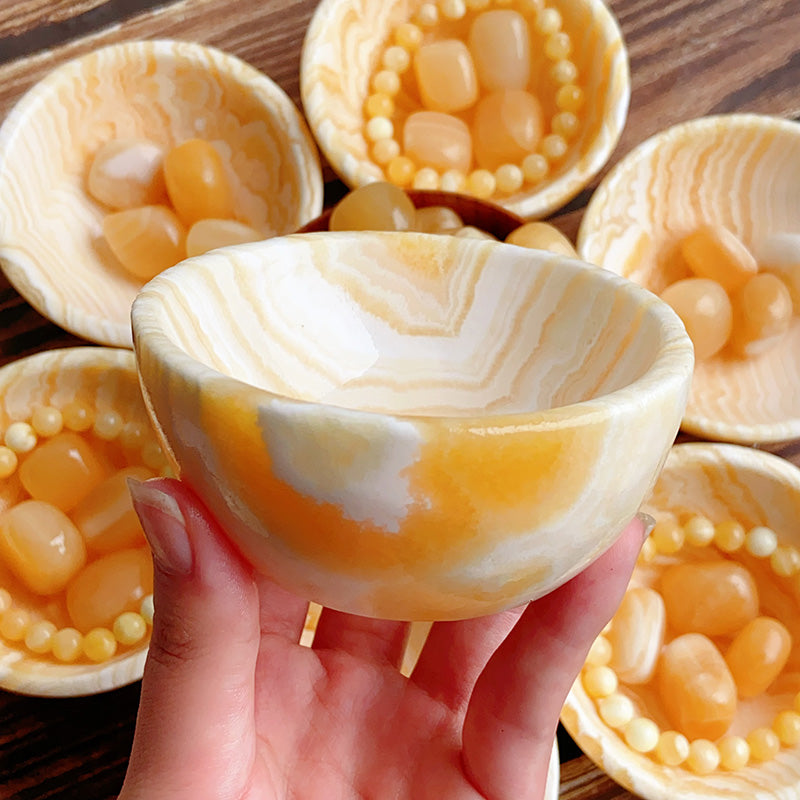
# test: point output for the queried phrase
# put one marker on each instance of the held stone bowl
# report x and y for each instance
(51, 244)
(412, 426)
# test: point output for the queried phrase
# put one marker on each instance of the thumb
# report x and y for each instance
(194, 732)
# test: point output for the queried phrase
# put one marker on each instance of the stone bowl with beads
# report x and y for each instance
(518, 101)
(705, 214)
(75, 570)
(123, 161)
(693, 689)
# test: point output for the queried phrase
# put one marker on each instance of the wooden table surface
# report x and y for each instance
(688, 58)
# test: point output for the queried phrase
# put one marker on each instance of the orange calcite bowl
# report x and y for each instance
(411, 426)
(51, 244)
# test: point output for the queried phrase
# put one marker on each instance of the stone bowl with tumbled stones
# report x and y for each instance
(104, 380)
(51, 244)
(411, 426)
(720, 482)
(740, 171)
(344, 43)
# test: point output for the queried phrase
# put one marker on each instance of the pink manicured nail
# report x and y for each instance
(648, 522)
(164, 525)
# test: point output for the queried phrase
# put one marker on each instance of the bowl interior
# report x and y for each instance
(410, 323)
(739, 171)
(344, 42)
(51, 242)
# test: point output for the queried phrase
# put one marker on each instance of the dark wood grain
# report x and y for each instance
(688, 58)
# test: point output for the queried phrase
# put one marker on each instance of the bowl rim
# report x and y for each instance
(538, 202)
(579, 715)
(69, 680)
(671, 366)
(17, 265)
(696, 424)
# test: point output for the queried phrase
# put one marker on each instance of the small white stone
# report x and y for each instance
(20, 437)
(761, 541)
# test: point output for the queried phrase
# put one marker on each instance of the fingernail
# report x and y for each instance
(164, 525)
(648, 522)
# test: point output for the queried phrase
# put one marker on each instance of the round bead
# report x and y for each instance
(396, 59)
(379, 104)
(785, 561)
(47, 421)
(734, 752)
(132, 435)
(558, 46)
(787, 726)
(384, 150)
(565, 124)
(426, 178)
(554, 147)
(386, 82)
(67, 644)
(453, 181)
(599, 653)
(152, 455)
(453, 9)
(569, 97)
(108, 425)
(8, 462)
(761, 541)
(408, 35)
(667, 536)
(703, 756)
(764, 744)
(6, 601)
(379, 128)
(481, 183)
(564, 71)
(600, 681)
(20, 437)
(548, 21)
(77, 416)
(39, 637)
(508, 178)
(400, 170)
(729, 536)
(99, 644)
(129, 628)
(427, 15)
(616, 710)
(535, 167)
(672, 748)
(699, 531)
(642, 734)
(146, 609)
(14, 623)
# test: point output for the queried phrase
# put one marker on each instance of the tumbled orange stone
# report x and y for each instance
(62, 471)
(508, 125)
(762, 313)
(41, 546)
(696, 688)
(714, 598)
(145, 240)
(441, 141)
(209, 234)
(378, 206)
(107, 587)
(197, 183)
(106, 518)
(128, 172)
(499, 41)
(716, 253)
(757, 655)
(445, 75)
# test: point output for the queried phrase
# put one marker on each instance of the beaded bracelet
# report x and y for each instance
(670, 747)
(482, 183)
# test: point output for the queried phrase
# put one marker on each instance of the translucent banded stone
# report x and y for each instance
(446, 75)
(637, 635)
(128, 172)
(377, 206)
(437, 219)
(757, 655)
(441, 141)
(762, 312)
(542, 236)
(508, 125)
(714, 252)
(499, 41)
(41, 546)
(208, 234)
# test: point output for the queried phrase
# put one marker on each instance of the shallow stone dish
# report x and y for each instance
(719, 481)
(344, 43)
(741, 171)
(51, 245)
(103, 379)
(411, 426)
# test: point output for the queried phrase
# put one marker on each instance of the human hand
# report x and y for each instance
(233, 708)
